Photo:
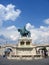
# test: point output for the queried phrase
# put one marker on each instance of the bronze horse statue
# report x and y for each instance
(24, 32)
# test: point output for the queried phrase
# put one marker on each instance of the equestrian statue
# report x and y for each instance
(24, 32)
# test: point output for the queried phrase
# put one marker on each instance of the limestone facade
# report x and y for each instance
(25, 49)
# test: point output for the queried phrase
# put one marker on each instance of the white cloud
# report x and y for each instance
(8, 13)
(1, 23)
(11, 27)
(39, 35)
(42, 27)
(10, 33)
(14, 37)
(13, 33)
(29, 26)
(46, 21)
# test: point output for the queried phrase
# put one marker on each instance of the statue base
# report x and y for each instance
(24, 41)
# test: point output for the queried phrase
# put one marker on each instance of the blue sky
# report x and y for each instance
(33, 11)
(34, 14)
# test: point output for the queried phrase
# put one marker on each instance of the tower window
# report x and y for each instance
(28, 43)
(22, 43)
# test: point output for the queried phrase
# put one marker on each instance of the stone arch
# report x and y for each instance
(7, 51)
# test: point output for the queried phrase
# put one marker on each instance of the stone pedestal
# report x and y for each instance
(25, 41)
